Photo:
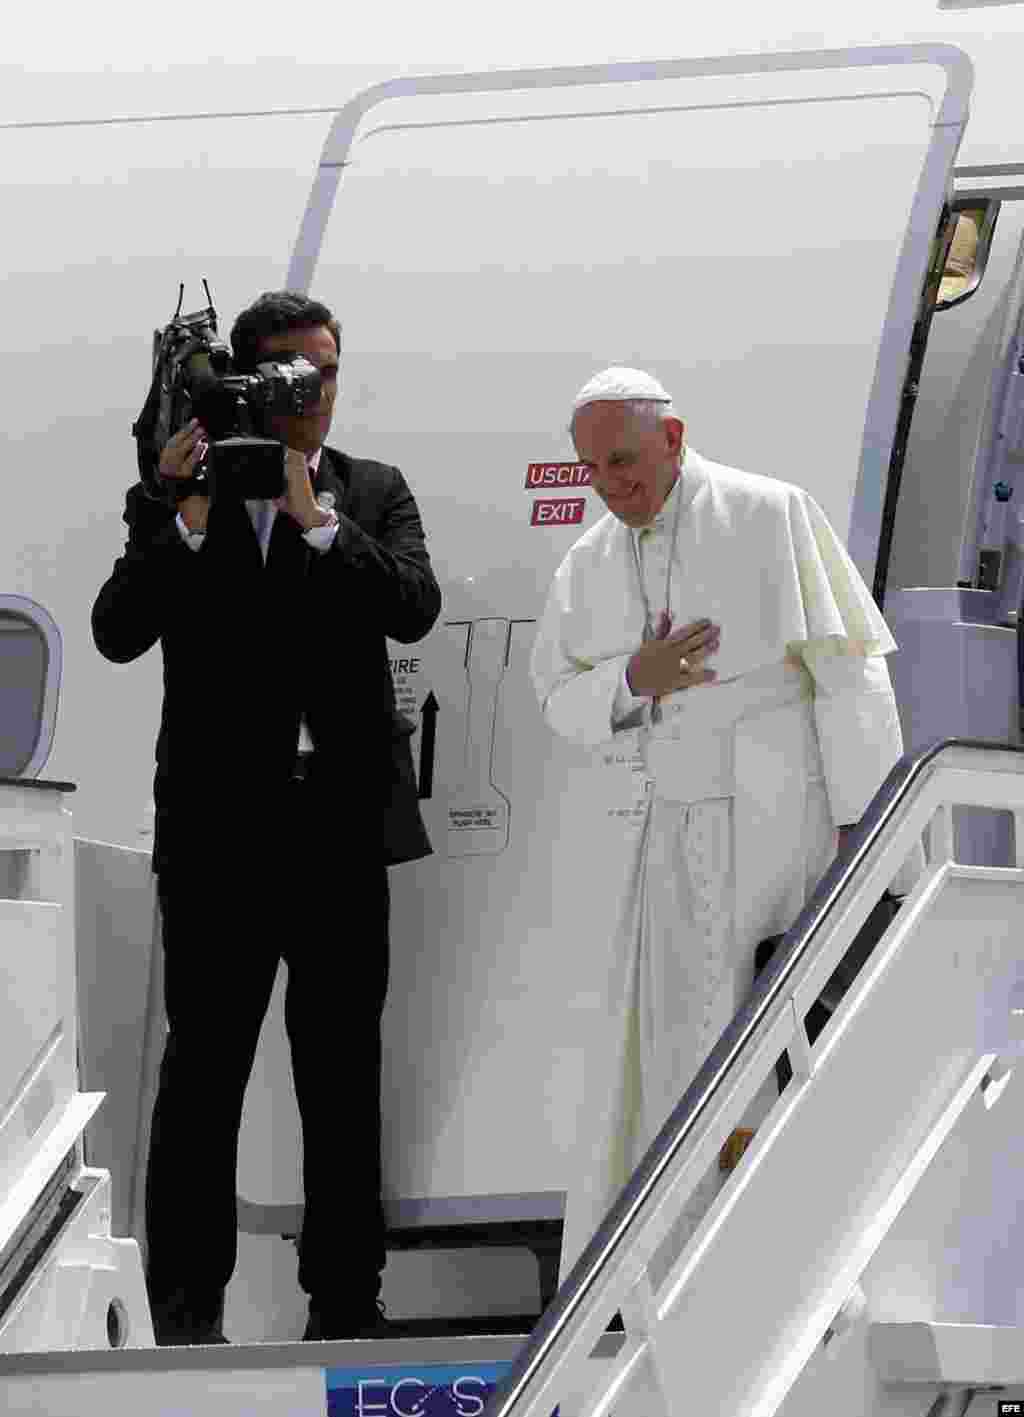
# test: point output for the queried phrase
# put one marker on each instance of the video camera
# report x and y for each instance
(194, 377)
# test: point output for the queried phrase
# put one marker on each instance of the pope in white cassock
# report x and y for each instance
(720, 611)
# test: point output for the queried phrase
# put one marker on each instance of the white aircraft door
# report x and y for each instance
(757, 240)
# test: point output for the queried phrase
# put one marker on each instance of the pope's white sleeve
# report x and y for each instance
(626, 703)
(580, 701)
(858, 726)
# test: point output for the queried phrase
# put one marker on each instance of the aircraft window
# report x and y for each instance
(24, 662)
(968, 253)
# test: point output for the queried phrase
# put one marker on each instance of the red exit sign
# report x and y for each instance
(557, 474)
(558, 511)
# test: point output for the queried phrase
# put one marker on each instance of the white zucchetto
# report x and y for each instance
(619, 385)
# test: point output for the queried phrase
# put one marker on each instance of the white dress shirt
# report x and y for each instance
(263, 513)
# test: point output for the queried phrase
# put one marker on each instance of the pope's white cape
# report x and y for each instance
(759, 558)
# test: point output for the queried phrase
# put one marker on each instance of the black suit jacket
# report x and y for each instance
(249, 649)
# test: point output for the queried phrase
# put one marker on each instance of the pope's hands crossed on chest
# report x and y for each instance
(674, 661)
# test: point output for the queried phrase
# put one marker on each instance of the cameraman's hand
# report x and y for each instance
(655, 668)
(298, 500)
(179, 459)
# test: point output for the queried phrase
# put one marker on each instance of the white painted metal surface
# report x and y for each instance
(120, 993)
(201, 1389)
(997, 452)
(955, 676)
(371, 1379)
(85, 1288)
(954, 1355)
(89, 1291)
(38, 1025)
(940, 496)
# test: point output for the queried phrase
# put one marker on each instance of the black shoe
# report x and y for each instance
(328, 1322)
(213, 1335)
(169, 1335)
(179, 1323)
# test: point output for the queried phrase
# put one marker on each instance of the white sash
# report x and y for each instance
(752, 739)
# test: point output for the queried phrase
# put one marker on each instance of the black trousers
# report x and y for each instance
(290, 885)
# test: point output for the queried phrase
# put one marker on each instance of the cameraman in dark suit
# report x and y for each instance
(284, 789)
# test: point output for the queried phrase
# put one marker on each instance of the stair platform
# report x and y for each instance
(428, 1375)
(948, 1354)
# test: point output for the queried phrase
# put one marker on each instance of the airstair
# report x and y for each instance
(727, 1318)
(65, 1280)
(727, 1321)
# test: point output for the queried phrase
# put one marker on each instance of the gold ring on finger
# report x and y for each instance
(684, 664)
